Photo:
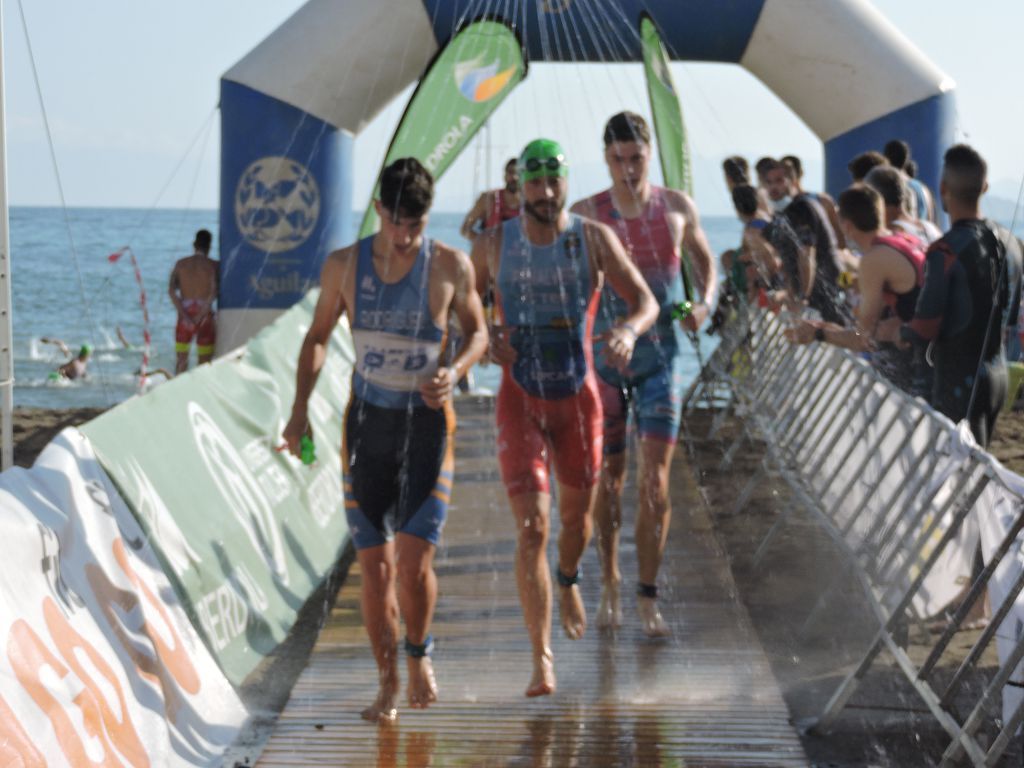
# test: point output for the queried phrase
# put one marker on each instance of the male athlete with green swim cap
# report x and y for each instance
(73, 368)
(547, 268)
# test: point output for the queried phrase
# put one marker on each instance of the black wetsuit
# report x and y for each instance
(810, 222)
(971, 288)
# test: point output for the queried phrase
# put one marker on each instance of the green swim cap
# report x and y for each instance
(85, 351)
(542, 157)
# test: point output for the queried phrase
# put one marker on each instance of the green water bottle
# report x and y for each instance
(682, 310)
(307, 450)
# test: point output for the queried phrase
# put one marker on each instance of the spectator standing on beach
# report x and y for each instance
(861, 165)
(773, 253)
(193, 289)
(971, 290)
(495, 205)
(657, 226)
(398, 289)
(921, 205)
(892, 186)
(824, 200)
(810, 222)
(890, 278)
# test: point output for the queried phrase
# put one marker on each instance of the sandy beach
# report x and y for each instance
(35, 427)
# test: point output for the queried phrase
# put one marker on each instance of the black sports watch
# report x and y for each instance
(819, 333)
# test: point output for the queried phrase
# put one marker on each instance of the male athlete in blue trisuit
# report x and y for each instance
(397, 288)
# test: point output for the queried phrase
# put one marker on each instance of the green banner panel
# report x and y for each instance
(669, 127)
(666, 109)
(245, 532)
(463, 85)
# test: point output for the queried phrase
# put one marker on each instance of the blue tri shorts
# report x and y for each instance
(657, 405)
(397, 471)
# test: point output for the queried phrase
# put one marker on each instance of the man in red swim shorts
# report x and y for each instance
(193, 289)
(547, 268)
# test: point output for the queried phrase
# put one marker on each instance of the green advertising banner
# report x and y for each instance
(462, 86)
(668, 113)
(668, 123)
(247, 533)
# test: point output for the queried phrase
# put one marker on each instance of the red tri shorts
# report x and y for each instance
(533, 432)
(205, 333)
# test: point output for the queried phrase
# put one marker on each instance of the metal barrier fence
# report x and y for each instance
(904, 492)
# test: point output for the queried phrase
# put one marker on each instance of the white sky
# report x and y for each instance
(129, 85)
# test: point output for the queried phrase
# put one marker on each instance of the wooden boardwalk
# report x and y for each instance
(704, 698)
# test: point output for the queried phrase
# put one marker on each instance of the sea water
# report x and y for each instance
(64, 287)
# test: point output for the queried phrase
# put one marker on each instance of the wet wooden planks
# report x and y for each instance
(706, 697)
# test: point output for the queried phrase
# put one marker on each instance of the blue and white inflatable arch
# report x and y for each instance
(291, 108)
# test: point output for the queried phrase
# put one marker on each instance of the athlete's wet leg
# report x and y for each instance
(654, 514)
(379, 603)
(417, 596)
(533, 578)
(574, 508)
(608, 522)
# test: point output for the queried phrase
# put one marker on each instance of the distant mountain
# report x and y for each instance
(1002, 209)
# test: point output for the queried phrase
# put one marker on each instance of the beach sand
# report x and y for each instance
(884, 725)
(35, 427)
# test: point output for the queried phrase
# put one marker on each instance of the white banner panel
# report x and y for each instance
(998, 509)
(99, 664)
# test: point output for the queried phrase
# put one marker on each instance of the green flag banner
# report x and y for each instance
(669, 127)
(668, 114)
(462, 86)
(246, 533)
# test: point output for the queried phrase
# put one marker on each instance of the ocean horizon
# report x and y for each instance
(64, 287)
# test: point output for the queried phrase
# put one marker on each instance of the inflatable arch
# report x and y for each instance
(291, 107)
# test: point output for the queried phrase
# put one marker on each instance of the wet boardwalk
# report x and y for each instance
(704, 698)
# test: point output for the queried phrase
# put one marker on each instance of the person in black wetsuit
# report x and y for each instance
(971, 289)
(810, 222)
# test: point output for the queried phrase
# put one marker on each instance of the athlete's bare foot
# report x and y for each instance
(609, 614)
(383, 709)
(421, 688)
(574, 615)
(543, 681)
(651, 620)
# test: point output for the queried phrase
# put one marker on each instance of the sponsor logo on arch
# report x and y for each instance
(277, 204)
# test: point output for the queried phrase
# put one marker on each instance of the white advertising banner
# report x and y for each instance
(99, 663)
(998, 509)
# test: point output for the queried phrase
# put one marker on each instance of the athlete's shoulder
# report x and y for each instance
(676, 200)
(959, 237)
(596, 232)
(449, 259)
(345, 254)
(590, 207)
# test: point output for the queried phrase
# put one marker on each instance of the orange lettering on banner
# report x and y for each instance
(16, 748)
(169, 667)
(175, 657)
(29, 656)
(100, 717)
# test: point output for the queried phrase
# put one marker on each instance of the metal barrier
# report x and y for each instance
(905, 493)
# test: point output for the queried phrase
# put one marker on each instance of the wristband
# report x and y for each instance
(630, 328)
(819, 333)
